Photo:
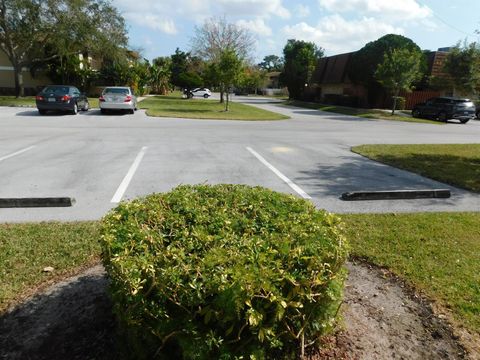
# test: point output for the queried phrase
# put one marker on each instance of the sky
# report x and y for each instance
(158, 27)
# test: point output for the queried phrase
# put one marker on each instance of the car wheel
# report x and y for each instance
(442, 116)
(416, 113)
(42, 112)
(86, 107)
(205, 96)
(131, 111)
(75, 109)
(464, 121)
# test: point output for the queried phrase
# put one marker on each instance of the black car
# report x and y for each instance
(63, 98)
(445, 108)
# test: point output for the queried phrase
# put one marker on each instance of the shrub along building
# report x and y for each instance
(330, 83)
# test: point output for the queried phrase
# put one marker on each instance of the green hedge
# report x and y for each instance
(223, 272)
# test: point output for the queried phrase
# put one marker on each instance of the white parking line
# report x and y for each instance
(289, 182)
(16, 153)
(126, 180)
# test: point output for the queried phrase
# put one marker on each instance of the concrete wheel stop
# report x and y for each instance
(396, 194)
(36, 202)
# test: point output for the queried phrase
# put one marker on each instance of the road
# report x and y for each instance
(100, 159)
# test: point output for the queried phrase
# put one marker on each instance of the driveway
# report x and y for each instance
(99, 160)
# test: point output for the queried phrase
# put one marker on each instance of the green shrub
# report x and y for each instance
(223, 272)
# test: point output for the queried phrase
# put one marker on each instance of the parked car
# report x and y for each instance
(204, 92)
(445, 108)
(62, 98)
(478, 112)
(117, 98)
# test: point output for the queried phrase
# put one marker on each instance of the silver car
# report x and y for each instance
(117, 98)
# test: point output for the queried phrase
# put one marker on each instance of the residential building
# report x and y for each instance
(32, 82)
(330, 83)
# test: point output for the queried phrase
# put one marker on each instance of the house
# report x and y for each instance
(330, 83)
(32, 82)
(271, 85)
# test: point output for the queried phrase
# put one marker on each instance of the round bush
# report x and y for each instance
(223, 272)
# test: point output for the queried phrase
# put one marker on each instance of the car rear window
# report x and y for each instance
(57, 90)
(116, 91)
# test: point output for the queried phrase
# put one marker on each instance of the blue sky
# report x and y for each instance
(158, 27)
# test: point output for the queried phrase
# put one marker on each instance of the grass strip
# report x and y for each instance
(359, 112)
(26, 249)
(437, 253)
(454, 164)
(30, 101)
(174, 106)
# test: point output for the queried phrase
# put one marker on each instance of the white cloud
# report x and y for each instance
(398, 10)
(337, 35)
(153, 22)
(302, 11)
(258, 8)
(256, 26)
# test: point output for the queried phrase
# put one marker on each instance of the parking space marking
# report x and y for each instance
(16, 153)
(126, 180)
(289, 182)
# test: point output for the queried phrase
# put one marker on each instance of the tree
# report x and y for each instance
(398, 71)
(251, 78)
(216, 36)
(463, 67)
(183, 74)
(271, 63)
(363, 64)
(63, 27)
(300, 60)
(228, 68)
(160, 75)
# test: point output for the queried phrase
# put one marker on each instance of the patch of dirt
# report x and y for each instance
(382, 320)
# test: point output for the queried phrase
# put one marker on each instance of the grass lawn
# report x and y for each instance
(437, 253)
(26, 249)
(30, 101)
(174, 106)
(364, 113)
(454, 164)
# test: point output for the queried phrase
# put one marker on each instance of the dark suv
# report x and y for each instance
(445, 108)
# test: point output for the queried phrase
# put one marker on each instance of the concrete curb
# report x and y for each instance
(396, 194)
(36, 202)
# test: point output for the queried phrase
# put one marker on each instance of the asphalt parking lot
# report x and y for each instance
(100, 160)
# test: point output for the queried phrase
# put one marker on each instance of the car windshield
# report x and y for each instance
(57, 90)
(463, 101)
(116, 91)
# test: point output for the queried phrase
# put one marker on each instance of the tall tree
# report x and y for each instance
(182, 71)
(64, 27)
(160, 75)
(228, 67)
(300, 60)
(463, 66)
(271, 63)
(363, 64)
(398, 71)
(216, 36)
